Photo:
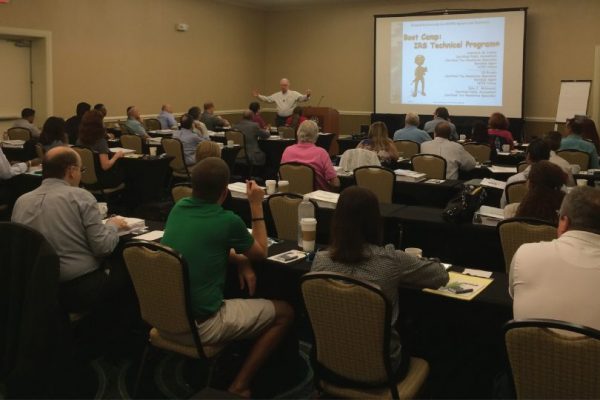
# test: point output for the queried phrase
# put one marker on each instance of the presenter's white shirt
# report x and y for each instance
(457, 158)
(558, 279)
(285, 102)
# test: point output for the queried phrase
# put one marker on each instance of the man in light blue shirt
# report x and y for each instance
(440, 115)
(189, 139)
(574, 141)
(411, 131)
(134, 123)
(166, 118)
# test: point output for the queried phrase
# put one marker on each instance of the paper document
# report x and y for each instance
(493, 183)
(324, 199)
(477, 272)
(134, 224)
(118, 149)
(496, 169)
(409, 176)
(472, 285)
(288, 257)
(150, 236)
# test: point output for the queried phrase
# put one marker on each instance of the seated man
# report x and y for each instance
(558, 279)
(411, 130)
(212, 121)
(252, 133)
(457, 158)
(69, 218)
(26, 121)
(134, 123)
(72, 124)
(204, 233)
(166, 117)
(440, 115)
(189, 139)
(574, 141)
(307, 152)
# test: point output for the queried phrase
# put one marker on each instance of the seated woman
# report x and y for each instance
(53, 134)
(379, 142)
(294, 120)
(255, 108)
(198, 127)
(93, 136)
(544, 195)
(356, 251)
(306, 152)
(207, 149)
(498, 130)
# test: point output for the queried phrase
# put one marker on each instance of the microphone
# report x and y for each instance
(320, 100)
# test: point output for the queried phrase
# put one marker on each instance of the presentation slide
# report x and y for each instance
(470, 63)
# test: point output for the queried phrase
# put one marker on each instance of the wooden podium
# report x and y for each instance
(329, 122)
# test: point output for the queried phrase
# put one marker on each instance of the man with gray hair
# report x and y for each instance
(166, 117)
(252, 133)
(285, 100)
(307, 152)
(559, 279)
(134, 123)
(411, 130)
(457, 158)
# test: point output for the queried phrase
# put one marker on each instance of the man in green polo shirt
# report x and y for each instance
(210, 239)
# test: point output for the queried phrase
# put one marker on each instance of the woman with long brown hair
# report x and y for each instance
(379, 142)
(356, 251)
(93, 136)
(544, 195)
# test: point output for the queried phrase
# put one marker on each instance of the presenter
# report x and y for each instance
(285, 100)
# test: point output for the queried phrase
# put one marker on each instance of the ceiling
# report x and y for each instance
(263, 4)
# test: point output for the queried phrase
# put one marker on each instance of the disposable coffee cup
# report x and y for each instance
(271, 186)
(283, 186)
(230, 143)
(582, 182)
(575, 169)
(414, 251)
(103, 209)
(462, 137)
(506, 148)
(309, 233)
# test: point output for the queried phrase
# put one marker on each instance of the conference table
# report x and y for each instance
(462, 340)
(21, 153)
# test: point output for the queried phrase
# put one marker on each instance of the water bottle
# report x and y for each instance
(306, 209)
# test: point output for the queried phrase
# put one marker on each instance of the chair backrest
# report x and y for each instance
(284, 211)
(180, 191)
(514, 232)
(133, 142)
(522, 166)
(300, 176)
(207, 149)
(481, 152)
(19, 134)
(89, 162)
(174, 148)
(239, 139)
(324, 140)
(516, 191)
(356, 158)
(407, 148)
(161, 281)
(342, 307)
(553, 359)
(286, 132)
(379, 180)
(152, 124)
(576, 157)
(39, 150)
(432, 165)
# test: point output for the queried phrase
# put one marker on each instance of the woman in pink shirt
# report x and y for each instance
(307, 152)
(498, 127)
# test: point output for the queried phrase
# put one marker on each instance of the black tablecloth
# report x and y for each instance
(418, 193)
(146, 179)
(347, 144)
(25, 153)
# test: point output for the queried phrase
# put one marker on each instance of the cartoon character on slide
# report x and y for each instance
(420, 72)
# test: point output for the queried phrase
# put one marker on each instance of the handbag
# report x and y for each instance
(463, 207)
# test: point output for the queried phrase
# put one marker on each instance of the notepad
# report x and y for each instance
(150, 236)
(496, 169)
(324, 199)
(405, 175)
(118, 149)
(493, 183)
(134, 224)
(475, 283)
(477, 272)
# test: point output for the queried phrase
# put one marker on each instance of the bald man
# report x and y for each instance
(285, 100)
(69, 219)
(166, 117)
